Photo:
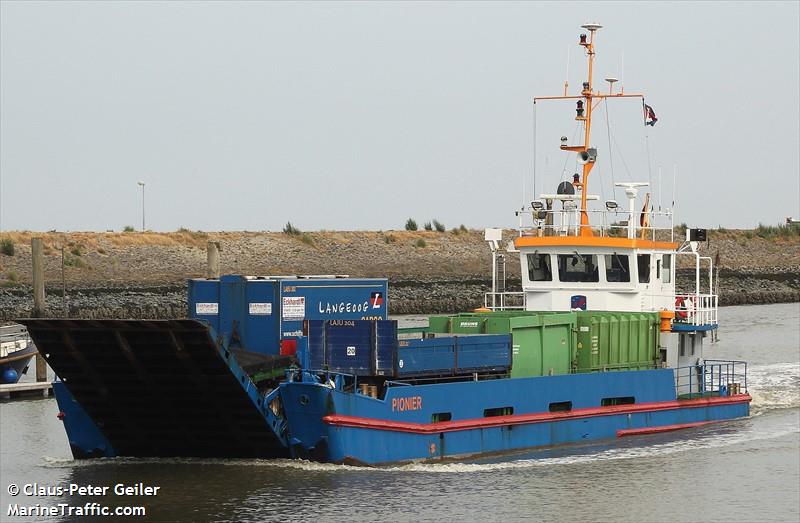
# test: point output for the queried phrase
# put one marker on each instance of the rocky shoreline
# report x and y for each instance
(433, 296)
(135, 275)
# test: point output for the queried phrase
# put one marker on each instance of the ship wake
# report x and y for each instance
(774, 386)
(720, 435)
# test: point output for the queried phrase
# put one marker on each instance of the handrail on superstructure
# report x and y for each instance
(562, 224)
(498, 301)
(697, 309)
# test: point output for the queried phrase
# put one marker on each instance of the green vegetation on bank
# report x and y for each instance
(291, 230)
(7, 247)
(411, 225)
(766, 232)
(304, 237)
(773, 231)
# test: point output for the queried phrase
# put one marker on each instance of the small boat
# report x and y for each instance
(16, 352)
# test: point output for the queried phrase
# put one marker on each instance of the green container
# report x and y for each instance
(439, 324)
(617, 340)
(549, 342)
(542, 344)
(468, 324)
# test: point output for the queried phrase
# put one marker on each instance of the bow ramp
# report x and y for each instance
(158, 388)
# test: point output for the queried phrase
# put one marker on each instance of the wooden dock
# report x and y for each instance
(27, 390)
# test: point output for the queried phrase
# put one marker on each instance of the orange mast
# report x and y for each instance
(584, 107)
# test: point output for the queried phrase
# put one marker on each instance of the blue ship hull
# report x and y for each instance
(327, 424)
(169, 388)
(16, 364)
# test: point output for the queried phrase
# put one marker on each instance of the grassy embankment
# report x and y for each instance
(168, 257)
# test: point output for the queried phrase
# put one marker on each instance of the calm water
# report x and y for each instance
(745, 470)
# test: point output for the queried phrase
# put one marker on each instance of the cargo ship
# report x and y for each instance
(600, 343)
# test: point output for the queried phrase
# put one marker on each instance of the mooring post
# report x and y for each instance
(212, 259)
(37, 264)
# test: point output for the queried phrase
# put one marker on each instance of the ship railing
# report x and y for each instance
(612, 223)
(424, 380)
(326, 376)
(343, 381)
(13, 337)
(696, 309)
(711, 378)
(500, 301)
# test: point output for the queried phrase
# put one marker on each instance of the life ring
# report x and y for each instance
(684, 307)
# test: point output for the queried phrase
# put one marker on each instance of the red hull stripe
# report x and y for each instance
(521, 419)
(656, 430)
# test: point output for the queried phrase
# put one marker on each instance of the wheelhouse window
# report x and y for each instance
(666, 267)
(617, 268)
(539, 267)
(578, 268)
(643, 263)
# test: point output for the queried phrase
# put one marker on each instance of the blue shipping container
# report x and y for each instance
(349, 347)
(246, 309)
(360, 347)
(316, 345)
(232, 307)
(260, 324)
(491, 352)
(385, 347)
(330, 299)
(258, 312)
(426, 356)
(453, 355)
(203, 301)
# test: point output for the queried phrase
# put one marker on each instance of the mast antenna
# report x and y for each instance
(674, 179)
(585, 102)
(534, 150)
(523, 192)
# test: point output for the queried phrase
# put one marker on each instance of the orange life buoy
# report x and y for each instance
(680, 307)
(684, 307)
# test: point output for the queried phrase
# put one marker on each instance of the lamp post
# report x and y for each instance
(141, 184)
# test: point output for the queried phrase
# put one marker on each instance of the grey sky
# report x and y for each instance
(357, 116)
